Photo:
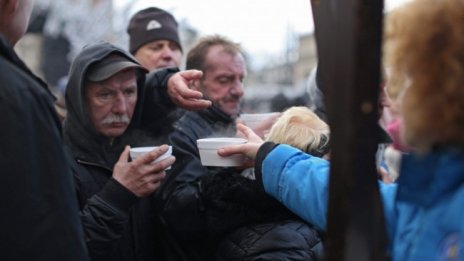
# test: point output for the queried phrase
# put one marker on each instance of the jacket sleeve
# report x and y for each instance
(298, 180)
(105, 217)
(157, 105)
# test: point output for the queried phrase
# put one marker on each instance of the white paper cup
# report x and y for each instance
(139, 151)
(208, 152)
(254, 119)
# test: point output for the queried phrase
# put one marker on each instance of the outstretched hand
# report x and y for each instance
(182, 95)
(249, 149)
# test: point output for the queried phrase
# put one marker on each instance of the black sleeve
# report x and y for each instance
(105, 217)
(263, 151)
(157, 105)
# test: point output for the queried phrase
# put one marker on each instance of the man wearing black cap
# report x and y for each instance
(154, 39)
(104, 96)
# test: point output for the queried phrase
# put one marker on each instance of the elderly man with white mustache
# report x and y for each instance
(105, 97)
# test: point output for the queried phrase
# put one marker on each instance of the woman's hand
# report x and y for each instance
(249, 149)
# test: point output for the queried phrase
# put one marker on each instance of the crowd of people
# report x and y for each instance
(72, 192)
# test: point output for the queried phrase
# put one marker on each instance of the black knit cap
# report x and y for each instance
(149, 25)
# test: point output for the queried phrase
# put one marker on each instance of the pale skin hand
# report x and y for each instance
(140, 176)
(249, 149)
(182, 95)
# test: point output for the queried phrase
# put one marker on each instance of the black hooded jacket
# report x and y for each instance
(215, 213)
(39, 218)
(118, 225)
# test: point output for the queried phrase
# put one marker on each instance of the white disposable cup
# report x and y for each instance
(139, 151)
(209, 156)
(252, 120)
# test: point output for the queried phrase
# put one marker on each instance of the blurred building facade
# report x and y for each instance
(282, 83)
(58, 30)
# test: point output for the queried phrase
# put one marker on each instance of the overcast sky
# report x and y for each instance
(261, 26)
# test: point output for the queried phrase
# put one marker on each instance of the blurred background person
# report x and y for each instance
(154, 39)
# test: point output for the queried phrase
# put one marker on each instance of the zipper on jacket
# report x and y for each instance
(83, 162)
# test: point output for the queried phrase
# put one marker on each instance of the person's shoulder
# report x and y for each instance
(191, 126)
(186, 122)
(18, 84)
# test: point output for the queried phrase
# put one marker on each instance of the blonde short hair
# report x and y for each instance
(300, 127)
(427, 52)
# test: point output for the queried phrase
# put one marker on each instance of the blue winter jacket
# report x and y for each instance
(424, 212)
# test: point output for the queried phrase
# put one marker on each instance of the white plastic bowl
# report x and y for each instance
(254, 119)
(208, 152)
(139, 151)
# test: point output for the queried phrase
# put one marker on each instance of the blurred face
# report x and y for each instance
(159, 54)
(223, 78)
(112, 102)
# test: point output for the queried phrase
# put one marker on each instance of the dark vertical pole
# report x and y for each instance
(348, 35)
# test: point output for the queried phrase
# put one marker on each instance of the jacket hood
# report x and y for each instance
(80, 134)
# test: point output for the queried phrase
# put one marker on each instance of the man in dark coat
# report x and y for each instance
(39, 219)
(105, 96)
(201, 205)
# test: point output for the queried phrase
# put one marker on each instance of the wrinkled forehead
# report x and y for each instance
(222, 60)
(126, 78)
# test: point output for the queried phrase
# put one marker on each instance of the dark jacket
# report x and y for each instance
(202, 205)
(180, 191)
(266, 229)
(117, 224)
(39, 218)
(296, 241)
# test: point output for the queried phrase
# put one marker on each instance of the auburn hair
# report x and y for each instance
(425, 49)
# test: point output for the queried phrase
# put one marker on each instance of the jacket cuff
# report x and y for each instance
(162, 77)
(263, 151)
(116, 195)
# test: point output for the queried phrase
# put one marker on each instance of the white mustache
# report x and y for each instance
(116, 118)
